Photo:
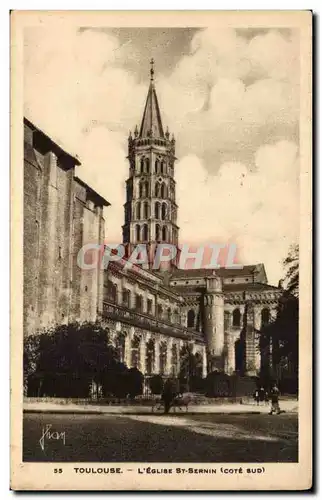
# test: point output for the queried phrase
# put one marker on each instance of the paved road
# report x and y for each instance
(161, 438)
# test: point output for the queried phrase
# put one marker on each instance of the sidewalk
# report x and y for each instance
(233, 408)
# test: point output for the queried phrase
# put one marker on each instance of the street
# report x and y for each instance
(160, 438)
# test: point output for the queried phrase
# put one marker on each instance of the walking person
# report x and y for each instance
(275, 408)
(262, 395)
(167, 395)
(256, 396)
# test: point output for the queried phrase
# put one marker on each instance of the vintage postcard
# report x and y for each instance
(161, 225)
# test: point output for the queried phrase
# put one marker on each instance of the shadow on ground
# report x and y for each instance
(160, 438)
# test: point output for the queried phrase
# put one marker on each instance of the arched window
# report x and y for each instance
(163, 190)
(146, 189)
(164, 233)
(191, 318)
(163, 211)
(157, 210)
(145, 210)
(145, 232)
(110, 291)
(135, 352)
(169, 314)
(157, 189)
(120, 347)
(157, 166)
(150, 357)
(141, 189)
(176, 316)
(163, 357)
(137, 232)
(174, 360)
(126, 294)
(265, 315)
(139, 303)
(147, 165)
(142, 166)
(163, 167)
(138, 210)
(236, 317)
(157, 232)
(160, 311)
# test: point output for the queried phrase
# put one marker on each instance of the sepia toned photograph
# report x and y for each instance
(163, 197)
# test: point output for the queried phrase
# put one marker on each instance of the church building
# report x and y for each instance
(151, 315)
(155, 313)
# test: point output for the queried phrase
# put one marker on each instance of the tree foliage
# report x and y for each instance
(69, 360)
(156, 384)
(291, 265)
(190, 368)
(283, 333)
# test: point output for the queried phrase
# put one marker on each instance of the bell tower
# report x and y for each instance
(150, 208)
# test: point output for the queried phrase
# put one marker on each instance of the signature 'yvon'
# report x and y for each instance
(47, 434)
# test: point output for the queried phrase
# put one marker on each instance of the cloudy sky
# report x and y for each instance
(231, 97)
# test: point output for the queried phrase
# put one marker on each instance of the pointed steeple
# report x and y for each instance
(151, 125)
(150, 210)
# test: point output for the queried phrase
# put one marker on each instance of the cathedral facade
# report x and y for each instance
(151, 315)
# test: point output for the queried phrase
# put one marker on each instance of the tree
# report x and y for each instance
(283, 332)
(134, 382)
(291, 265)
(190, 367)
(156, 384)
(69, 359)
(30, 360)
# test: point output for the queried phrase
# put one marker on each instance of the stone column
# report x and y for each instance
(250, 341)
(127, 353)
(142, 354)
(204, 362)
(257, 318)
(157, 356)
(168, 370)
(214, 322)
(230, 354)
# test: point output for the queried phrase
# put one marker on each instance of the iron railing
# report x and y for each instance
(141, 320)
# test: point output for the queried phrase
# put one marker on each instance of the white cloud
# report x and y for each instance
(232, 104)
(74, 92)
(258, 211)
(232, 95)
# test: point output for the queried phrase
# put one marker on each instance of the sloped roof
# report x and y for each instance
(258, 287)
(40, 134)
(222, 272)
(151, 125)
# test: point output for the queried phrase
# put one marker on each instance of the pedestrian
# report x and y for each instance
(274, 400)
(262, 394)
(266, 397)
(256, 396)
(167, 395)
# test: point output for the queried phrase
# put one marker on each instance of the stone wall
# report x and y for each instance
(61, 214)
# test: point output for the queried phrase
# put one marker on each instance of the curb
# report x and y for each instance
(97, 412)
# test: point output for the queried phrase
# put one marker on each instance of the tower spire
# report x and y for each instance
(151, 125)
(152, 70)
(150, 210)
